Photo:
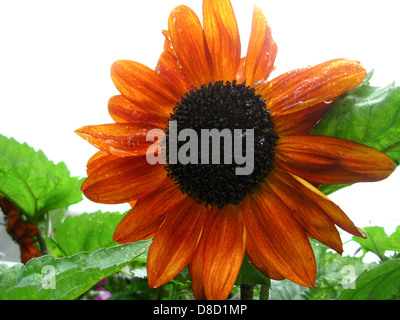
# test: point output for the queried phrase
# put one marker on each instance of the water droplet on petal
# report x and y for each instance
(363, 233)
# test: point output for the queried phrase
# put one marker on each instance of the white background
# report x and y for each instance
(55, 59)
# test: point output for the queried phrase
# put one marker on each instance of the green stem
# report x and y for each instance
(264, 291)
(390, 148)
(247, 291)
(44, 249)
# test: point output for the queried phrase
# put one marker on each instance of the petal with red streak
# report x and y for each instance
(175, 242)
(148, 213)
(222, 36)
(144, 87)
(224, 254)
(190, 45)
(262, 50)
(123, 180)
(330, 160)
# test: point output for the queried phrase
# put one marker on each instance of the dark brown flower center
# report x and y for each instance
(228, 150)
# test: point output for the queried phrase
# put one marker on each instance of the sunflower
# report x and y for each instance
(204, 216)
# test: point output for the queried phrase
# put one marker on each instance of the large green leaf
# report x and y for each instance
(367, 115)
(87, 232)
(32, 182)
(381, 283)
(49, 278)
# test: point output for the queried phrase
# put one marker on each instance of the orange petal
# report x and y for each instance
(222, 36)
(279, 238)
(262, 50)
(196, 264)
(301, 122)
(261, 262)
(148, 213)
(324, 159)
(224, 254)
(120, 139)
(124, 111)
(301, 89)
(99, 159)
(335, 214)
(168, 68)
(190, 46)
(175, 242)
(123, 180)
(300, 98)
(144, 87)
(240, 74)
(167, 43)
(307, 212)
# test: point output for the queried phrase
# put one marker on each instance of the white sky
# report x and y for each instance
(55, 59)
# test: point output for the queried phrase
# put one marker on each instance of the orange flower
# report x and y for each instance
(204, 216)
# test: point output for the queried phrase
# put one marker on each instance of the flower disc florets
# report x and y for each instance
(233, 109)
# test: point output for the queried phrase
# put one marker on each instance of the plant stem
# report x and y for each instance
(264, 291)
(247, 291)
(44, 249)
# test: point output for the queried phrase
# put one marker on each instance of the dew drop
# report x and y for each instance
(363, 232)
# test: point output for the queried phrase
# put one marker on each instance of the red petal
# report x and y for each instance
(123, 180)
(190, 46)
(292, 91)
(144, 87)
(224, 254)
(196, 264)
(149, 212)
(121, 139)
(99, 159)
(175, 242)
(335, 214)
(240, 74)
(169, 69)
(279, 237)
(124, 111)
(261, 262)
(262, 50)
(323, 159)
(223, 40)
(308, 213)
(300, 98)
(301, 122)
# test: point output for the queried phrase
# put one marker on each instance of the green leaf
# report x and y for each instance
(32, 182)
(49, 278)
(87, 232)
(367, 115)
(393, 241)
(375, 241)
(381, 283)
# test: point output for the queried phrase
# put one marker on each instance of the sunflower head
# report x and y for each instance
(223, 107)
(201, 212)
